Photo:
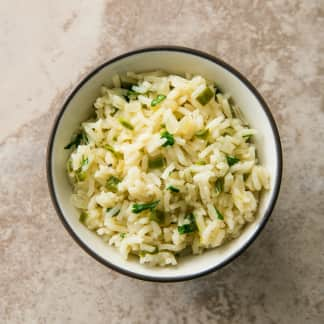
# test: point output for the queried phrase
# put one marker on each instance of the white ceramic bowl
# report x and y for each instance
(173, 60)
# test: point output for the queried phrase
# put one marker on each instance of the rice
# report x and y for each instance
(165, 166)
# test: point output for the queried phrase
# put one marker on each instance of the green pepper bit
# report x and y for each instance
(173, 189)
(125, 123)
(131, 94)
(83, 217)
(138, 208)
(157, 162)
(80, 174)
(205, 96)
(188, 228)
(77, 139)
(219, 214)
(231, 160)
(169, 138)
(157, 100)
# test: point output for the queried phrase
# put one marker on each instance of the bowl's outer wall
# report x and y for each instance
(173, 60)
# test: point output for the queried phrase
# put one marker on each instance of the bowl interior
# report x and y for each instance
(78, 108)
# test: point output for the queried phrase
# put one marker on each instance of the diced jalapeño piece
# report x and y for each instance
(83, 217)
(205, 96)
(157, 162)
(126, 123)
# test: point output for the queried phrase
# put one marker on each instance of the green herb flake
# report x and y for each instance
(157, 162)
(173, 189)
(122, 235)
(169, 138)
(77, 139)
(157, 216)
(126, 124)
(112, 183)
(203, 133)
(80, 174)
(138, 208)
(157, 100)
(219, 185)
(219, 214)
(231, 160)
(188, 228)
(205, 96)
(131, 94)
(83, 217)
(84, 163)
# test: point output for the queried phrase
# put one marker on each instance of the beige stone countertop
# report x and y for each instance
(47, 47)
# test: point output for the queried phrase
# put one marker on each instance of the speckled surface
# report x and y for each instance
(47, 47)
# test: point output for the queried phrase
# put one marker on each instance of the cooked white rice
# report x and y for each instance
(166, 168)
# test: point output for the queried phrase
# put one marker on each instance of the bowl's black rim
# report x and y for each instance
(277, 178)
